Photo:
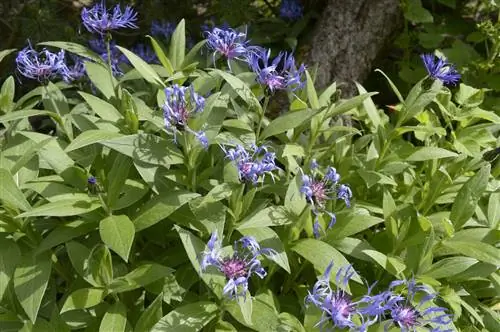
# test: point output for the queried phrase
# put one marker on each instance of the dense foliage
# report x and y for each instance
(163, 196)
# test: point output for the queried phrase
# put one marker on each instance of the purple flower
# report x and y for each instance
(291, 9)
(100, 20)
(441, 69)
(181, 104)
(319, 190)
(162, 28)
(253, 164)
(98, 45)
(229, 43)
(280, 74)
(237, 268)
(41, 66)
(145, 53)
(75, 71)
(92, 180)
(409, 315)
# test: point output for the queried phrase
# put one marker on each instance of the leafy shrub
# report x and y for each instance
(165, 199)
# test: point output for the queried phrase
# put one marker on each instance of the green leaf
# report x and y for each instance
(150, 316)
(54, 100)
(416, 13)
(74, 48)
(10, 192)
(430, 153)
(118, 233)
(63, 233)
(270, 216)
(83, 298)
(193, 53)
(23, 114)
(140, 277)
(393, 86)
(148, 73)
(30, 282)
(51, 153)
(188, 318)
(246, 307)
(268, 238)
(312, 96)
(494, 210)
(369, 107)
(100, 77)
(466, 200)
(115, 319)
(351, 223)
(90, 137)
(320, 254)
(105, 110)
(481, 251)
(449, 267)
(241, 88)
(7, 94)
(177, 47)
(147, 148)
(418, 98)
(4, 53)
(10, 255)
(348, 105)
(161, 207)
(63, 208)
(77, 253)
(288, 121)
(161, 56)
(98, 268)
(264, 316)
(117, 178)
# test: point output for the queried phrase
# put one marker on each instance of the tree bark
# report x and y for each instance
(349, 36)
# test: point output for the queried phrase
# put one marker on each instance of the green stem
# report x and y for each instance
(110, 68)
(261, 116)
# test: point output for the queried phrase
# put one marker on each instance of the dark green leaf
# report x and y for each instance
(286, 122)
(10, 193)
(118, 233)
(148, 73)
(10, 255)
(115, 319)
(188, 318)
(177, 47)
(65, 232)
(270, 216)
(150, 316)
(84, 298)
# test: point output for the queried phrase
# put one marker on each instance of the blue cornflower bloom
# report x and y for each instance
(280, 74)
(162, 28)
(100, 20)
(98, 45)
(92, 180)
(75, 71)
(409, 317)
(239, 267)
(291, 9)
(320, 190)
(41, 66)
(181, 104)
(337, 306)
(146, 53)
(253, 164)
(227, 42)
(441, 69)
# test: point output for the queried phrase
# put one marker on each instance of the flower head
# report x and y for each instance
(100, 20)
(280, 74)
(253, 164)
(239, 267)
(145, 53)
(181, 104)
(291, 9)
(162, 28)
(229, 43)
(74, 71)
(440, 69)
(41, 66)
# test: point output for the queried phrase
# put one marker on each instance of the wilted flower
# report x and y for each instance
(319, 190)
(74, 71)
(409, 316)
(291, 9)
(162, 28)
(101, 20)
(237, 268)
(145, 53)
(227, 42)
(441, 69)
(181, 104)
(280, 74)
(41, 66)
(252, 163)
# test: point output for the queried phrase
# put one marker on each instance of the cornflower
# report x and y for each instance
(239, 267)
(291, 9)
(280, 74)
(253, 163)
(228, 43)
(41, 66)
(441, 69)
(320, 190)
(145, 53)
(162, 28)
(75, 71)
(409, 317)
(100, 20)
(179, 108)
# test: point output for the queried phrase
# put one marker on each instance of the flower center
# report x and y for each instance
(406, 316)
(342, 305)
(319, 192)
(234, 268)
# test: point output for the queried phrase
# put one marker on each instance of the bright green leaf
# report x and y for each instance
(118, 233)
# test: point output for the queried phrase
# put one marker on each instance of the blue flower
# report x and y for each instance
(75, 71)
(409, 316)
(41, 66)
(291, 9)
(100, 20)
(280, 74)
(162, 28)
(145, 53)
(99, 46)
(181, 104)
(253, 164)
(319, 190)
(91, 180)
(237, 268)
(229, 43)
(441, 69)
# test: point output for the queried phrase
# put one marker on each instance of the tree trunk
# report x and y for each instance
(349, 36)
